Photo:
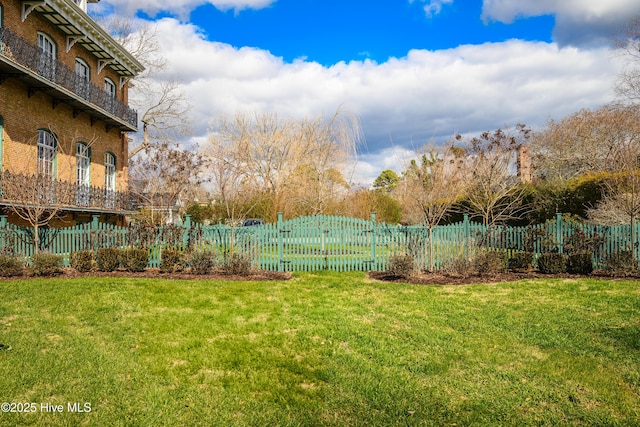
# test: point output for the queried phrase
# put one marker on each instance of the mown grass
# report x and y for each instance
(321, 349)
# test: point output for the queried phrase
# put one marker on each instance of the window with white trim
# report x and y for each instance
(46, 154)
(47, 58)
(110, 180)
(110, 172)
(83, 77)
(110, 90)
(83, 177)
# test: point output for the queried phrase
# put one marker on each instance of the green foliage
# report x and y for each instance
(107, 259)
(81, 261)
(580, 263)
(578, 242)
(521, 261)
(201, 261)
(552, 263)
(621, 263)
(491, 262)
(11, 266)
(44, 264)
(171, 261)
(201, 213)
(237, 264)
(387, 181)
(401, 265)
(134, 260)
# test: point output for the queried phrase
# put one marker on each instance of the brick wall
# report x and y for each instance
(23, 115)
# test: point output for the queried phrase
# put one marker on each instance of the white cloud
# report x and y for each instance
(578, 22)
(181, 8)
(404, 102)
(433, 7)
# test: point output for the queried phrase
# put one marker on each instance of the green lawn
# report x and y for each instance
(324, 349)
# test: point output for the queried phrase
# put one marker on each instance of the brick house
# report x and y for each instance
(64, 116)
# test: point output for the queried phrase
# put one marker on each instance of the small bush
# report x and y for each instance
(461, 265)
(81, 261)
(134, 260)
(553, 263)
(521, 261)
(46, 265)
(171, 261)
(238, 264)
(581, 263)
(11, 266)
(107, 259)
(201, 262)
(621, 263)
(491, 262)
(400, 265)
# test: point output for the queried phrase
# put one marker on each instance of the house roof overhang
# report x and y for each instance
(79, 28)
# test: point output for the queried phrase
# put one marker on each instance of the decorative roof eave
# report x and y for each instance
(80, 28)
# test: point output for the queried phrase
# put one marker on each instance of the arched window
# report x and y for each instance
(110, 180)
(83, 177)
(47, 58)
(46, 154)
(110, 90)
(83, 78)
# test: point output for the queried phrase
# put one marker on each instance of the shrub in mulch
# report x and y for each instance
(107, 259)
(553, 263)
(237, 264)
(171, 261)
(521, 261)
(134, 260)
(201, 262)
(491, 262)
(580, 263)
(400, 265)
(44, 264)
(11, 266)
(81, 261)
(621, 263)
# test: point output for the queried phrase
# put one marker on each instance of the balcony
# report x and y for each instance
(40, 72)
(38, 192)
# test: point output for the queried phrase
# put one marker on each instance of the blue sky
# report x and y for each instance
(413, 71)
(331, 31)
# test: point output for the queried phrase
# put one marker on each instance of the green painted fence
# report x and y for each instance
(329, 242)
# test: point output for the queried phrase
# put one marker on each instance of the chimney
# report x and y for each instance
(524, 164)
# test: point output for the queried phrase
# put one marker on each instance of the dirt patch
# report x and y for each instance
(426, 278)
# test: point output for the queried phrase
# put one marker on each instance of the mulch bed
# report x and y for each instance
(426, 278)
(154, 273)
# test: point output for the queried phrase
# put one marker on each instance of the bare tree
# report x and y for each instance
(160, 99)
(628, 43)
(493, 191)
(430, 187)
(33, 192)
(582, 142)
(276, 156)
(160, 177)
(621, 201)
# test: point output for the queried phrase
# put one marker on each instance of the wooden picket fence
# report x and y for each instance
(329, 242)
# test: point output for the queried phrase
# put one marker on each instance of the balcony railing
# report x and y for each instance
(18, 49)
(41, 192)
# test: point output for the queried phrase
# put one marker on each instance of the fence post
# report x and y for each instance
(3, 224)
(187, 230)
(559, 238)
(280, 243)
(373, 241)
(95, 223)
(467, 234)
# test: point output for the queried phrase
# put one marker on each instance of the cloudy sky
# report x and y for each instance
(413, 71)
